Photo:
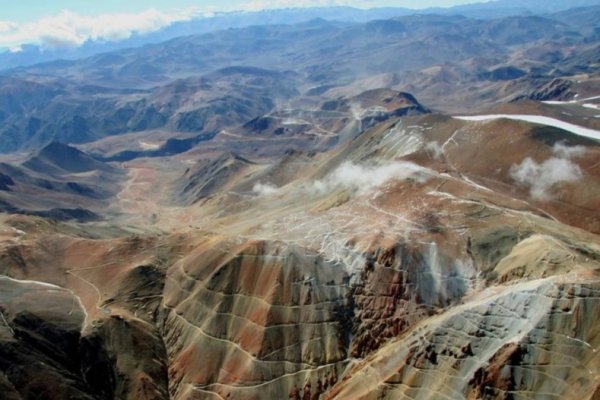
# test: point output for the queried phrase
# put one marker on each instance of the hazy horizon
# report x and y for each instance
(70, 23)
(36, 9)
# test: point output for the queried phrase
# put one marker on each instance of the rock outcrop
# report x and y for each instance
(396, 265)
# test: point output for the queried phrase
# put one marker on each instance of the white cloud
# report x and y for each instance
(70, 29)
(355, 177)
(7, 26)
(365, 178)
(541, 177)
(564, 151)
(257, 5)
(434, 149)
(264, 189)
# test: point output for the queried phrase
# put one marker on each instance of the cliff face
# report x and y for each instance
(508, 341)
(396, 265)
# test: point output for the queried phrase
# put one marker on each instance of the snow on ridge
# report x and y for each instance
(558, 103)
(590, 98)
(591, 105)
(538, 119)
(571, 102)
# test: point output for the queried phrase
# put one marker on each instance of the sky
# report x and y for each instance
(63, 23)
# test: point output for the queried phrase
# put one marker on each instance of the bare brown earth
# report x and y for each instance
(307, 276)
(268, 213)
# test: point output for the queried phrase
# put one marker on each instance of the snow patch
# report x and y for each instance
(590, 98)
(148, 146)
(537, 119)
(559, 103)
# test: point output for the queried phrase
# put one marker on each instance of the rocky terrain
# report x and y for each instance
(303, 230)
(204, 83)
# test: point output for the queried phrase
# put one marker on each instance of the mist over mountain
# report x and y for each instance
(317, 203)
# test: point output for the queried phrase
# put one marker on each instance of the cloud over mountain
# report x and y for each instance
(70, 29)
(541, 177)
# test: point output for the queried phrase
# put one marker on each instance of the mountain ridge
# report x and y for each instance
(395, 208)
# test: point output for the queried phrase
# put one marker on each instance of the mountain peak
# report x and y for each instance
(58, 158)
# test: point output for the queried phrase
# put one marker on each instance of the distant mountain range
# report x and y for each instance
(320, 204)
(200, 84)
(31, 53)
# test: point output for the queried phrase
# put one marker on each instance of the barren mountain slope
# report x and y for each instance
(400, 208)
(395, 265)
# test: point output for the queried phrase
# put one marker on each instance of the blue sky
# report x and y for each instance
(70, 23)
(31, 10)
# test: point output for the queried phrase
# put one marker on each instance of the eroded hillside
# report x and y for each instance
(398, 264)
(183, 227)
